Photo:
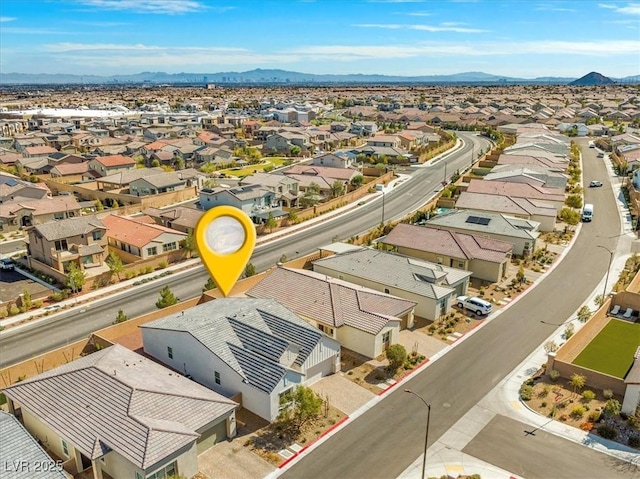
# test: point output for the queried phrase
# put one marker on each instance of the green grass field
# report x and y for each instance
(250, 169)
(611, 352)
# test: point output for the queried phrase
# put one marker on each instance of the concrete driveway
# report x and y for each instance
(343, 394)
(231, 460)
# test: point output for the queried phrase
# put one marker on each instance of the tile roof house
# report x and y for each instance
(119, 412)
(530, 174)
(80, 240)
(180, 218)
(36, 211)
(536, 210)
(253, 347)
(431, 286)
(553, 196)
(519, 232)
(255, 200)
(361, 319)
(122, 179)
(485, 258)
(65, 170)
(107, 165)
(13, 189)
(140, 237)
(286, 188)
(22, 456)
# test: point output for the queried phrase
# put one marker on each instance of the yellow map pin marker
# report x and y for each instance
(225, 237)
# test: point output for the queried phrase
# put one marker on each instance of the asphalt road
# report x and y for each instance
(503, 443)
(383, 441)
(77, 323)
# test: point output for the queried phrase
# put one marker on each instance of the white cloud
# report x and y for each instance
(7, 19)
(628, 9)
(37, 31)
(425, 28)
(419, 14)
(167, 7)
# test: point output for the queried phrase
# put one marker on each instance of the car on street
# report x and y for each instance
(595, 184)
(476, 305)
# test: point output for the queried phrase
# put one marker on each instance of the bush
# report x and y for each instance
(594, 416)
(13, 310)
(588, 396)
(544, 392)
(607, 432)
(162, 265)
(612, 407)
(607, 393)
(397, 355)
(554, 374)
(577, 412)
(526, 392)
(634, 441)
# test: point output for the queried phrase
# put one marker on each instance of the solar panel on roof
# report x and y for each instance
(478, 220)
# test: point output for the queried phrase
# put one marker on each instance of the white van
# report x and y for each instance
(587, 212)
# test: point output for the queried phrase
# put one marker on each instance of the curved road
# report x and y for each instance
(383, 441)
(67, 327)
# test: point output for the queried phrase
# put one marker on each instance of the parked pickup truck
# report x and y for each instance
(476, 305)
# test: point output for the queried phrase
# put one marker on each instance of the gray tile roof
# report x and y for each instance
(420, 277)
(331, 301)
(253, 336)
(120, 400)
(505, 204)
(164, 179)
(498, 224)
(19, 447)
(67, 228)
(127, 176)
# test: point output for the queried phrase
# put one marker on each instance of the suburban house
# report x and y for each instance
(108, 165)
(530, 174)
(363, 128)
(140, 238)
(361, 319)
(69, 171)
(179, 218)
(552, 196)
(522, 234)
(550, 162)
(159, 183)
(487, 259)
(81, 240)
(285, 188)
(332, 160)
(255, 200)
(27, 213)
(13, 189)
(536, 210)
(255, 348)
(433, 287)
(20, 452)
(117, 413)
(122, 179)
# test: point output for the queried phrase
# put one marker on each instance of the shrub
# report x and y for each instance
(3, 313)
(588, 396)
(554, 374)
(586, 426)
(612, 407)
(526, 392)
(13, 310)
(397, 355)
(594, 416)
(607, 393)
(162, 265)
(544, 392)
(577, 412)
(634, 441)
(607, 432)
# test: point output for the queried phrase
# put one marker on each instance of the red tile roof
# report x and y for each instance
(134, 231)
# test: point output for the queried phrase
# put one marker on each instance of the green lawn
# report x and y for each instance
(250, 169)
(611, 352)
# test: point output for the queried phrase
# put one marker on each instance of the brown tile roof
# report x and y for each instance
(40, 150)
(331, 301)
(325, 171)
(137, 231)
(43, 206)
(72, 168)
(115, 160)
(448, 243)
(517, 190)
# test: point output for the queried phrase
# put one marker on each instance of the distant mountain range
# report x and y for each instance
(260, 76)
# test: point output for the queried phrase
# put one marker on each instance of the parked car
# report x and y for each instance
(7, 263)
(595, 184)
(476, 305)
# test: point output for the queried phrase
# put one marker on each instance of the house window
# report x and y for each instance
(65, 447)
(170, 352)
(169, 247)
(216, 377)
(96, 235)
(386, 337)
(325, 329)
(61, 245)
(152, 251)
(460, 264)
(58, 216)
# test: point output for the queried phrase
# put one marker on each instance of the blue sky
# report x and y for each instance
(526, 38)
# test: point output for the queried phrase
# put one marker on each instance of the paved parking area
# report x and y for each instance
(231, 460)
(13, 284)
(343, 394)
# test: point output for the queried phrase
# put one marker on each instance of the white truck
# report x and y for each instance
(587, 212)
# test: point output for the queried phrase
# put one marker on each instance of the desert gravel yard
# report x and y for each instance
(343, 394)
(230, 460)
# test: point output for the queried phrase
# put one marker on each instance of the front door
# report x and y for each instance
(386, 340)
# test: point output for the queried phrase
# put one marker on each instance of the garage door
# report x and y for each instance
(211, 436)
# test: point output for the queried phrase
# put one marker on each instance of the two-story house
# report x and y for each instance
(254, 200)
(108, 165)
(285, 188)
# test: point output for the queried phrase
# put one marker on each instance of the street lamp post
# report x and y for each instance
(426, 436)
(383, 206)
(606, 279)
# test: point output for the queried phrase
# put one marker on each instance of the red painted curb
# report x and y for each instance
(418, 367)
(336, 425)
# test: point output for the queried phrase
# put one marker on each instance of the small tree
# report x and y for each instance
(520, 276)
(98, 204)
(568, 331)
(121, 317)
(270, 222)
(569, 216)
(357, 181)
(577, 381)
(292, 217)
(249, 270)
(210, 284)
(337, 188)
(574, 201)
(550, 346)
(584, 313)
(115, 204)
(167, 298)
(397, 355)
(76, 278)
(189, 244)
(114, 262)
(299, 406)
(612, 407)
(295, 150)
(26, 299)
